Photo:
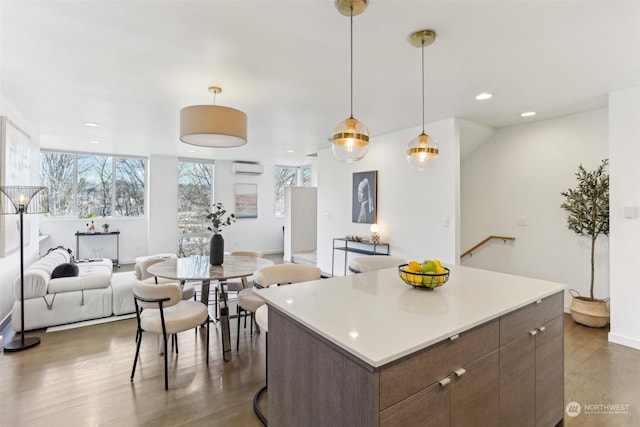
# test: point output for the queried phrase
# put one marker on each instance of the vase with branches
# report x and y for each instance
(587, 207)
(219, 219)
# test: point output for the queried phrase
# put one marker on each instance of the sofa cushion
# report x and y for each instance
(93, 275)
(37, 275)
(65, 270)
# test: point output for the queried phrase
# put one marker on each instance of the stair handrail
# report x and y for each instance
(469, 251)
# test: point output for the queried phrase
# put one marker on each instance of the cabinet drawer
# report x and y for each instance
(427, 408)
(514, 325)
(414, 373)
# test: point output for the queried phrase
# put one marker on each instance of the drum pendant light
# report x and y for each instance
(350, 137)
(422, 151)
(213, 125)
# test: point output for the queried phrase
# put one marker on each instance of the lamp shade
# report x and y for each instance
(213, 126)
(422, 152)
(350, 140)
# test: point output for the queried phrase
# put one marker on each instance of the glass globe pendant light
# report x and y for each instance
(350, 137)
(422, 151)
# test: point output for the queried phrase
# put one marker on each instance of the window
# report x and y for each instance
(195, 196)
(306, 176)
(90, 185)
(287, 176)
(57, 172)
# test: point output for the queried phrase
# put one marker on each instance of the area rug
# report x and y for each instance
(90, 322)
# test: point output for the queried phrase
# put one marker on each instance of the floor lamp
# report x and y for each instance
(18, 199)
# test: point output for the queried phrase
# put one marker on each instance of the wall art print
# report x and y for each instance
(246, 200)
(364, 207)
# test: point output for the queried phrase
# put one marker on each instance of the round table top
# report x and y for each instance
(199, 268)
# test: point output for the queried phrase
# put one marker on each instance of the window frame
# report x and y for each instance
(114, 157)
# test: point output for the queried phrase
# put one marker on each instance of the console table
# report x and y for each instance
(116, 260)
(362, 247)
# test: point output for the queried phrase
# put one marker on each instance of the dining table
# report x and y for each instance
(199, 268)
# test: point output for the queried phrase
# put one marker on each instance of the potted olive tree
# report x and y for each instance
(587, 206)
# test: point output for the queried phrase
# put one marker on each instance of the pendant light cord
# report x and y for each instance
(351, 71)
(423, 85)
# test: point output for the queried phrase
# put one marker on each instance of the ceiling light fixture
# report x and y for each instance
(92, 124)
(350, 137)
(484, 96)
(213, 125)
(422, 151)
(528, 114)
(94, 141)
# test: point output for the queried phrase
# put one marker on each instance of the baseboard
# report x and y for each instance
(5, 322)
(623, 340)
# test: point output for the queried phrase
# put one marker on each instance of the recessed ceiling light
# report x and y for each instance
(528, 114)
(290, 150)
(191, 151)
(484, 96)
(94, 141)
(92, 124)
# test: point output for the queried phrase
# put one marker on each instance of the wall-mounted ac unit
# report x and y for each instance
(240, 168)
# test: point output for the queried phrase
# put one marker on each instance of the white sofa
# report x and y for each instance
(90, 295)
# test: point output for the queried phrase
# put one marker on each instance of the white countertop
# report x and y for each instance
(378, 318)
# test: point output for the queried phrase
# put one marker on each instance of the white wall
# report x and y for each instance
(162, 207)
(261, 234)
(412, 205)
(624, 151)
(10, 265)
(301, 225)
(519, 174)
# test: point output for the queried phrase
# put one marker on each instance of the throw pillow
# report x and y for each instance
(65, 270)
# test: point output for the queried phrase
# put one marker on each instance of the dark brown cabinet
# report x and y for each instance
(507, 371)
(532, 365)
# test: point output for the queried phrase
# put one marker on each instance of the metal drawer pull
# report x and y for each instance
(454, 337)
(539, 301)
(534, 332)
(542, 328)
(445, 381)
(460, 372)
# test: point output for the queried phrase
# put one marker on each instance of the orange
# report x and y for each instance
(414, 266)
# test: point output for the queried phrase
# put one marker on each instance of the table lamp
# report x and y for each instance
(375, 234)
(18, 199)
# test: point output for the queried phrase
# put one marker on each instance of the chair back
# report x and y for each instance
(148, 295)
(283, 274)
(142, 267)
(256, 254)
(365, 263)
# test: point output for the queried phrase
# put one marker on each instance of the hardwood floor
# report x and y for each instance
(80, 377)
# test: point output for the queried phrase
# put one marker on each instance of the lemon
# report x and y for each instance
(414, 266)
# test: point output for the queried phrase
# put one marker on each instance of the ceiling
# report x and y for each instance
(132, 65)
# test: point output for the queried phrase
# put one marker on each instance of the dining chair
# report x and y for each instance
(235, 285)
(142, 273)
(161, 310)
(362, 264)
(280, 274)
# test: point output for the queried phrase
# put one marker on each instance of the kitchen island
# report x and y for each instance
(369, 350)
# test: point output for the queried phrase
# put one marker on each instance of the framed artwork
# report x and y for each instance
(364, 199)
(246, 200)
(15, 148)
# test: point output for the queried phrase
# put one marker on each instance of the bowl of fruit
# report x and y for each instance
(426, 275)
